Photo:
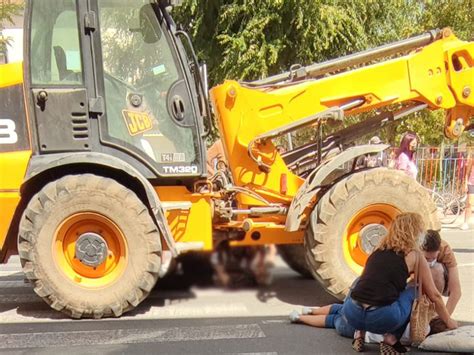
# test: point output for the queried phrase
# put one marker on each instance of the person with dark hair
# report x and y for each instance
(405, 156)
(443, 267)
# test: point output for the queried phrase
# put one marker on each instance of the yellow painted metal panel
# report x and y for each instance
(429, 76)
(8, 203)
(193, 225)
(11, 74)
(462, 76)
(12, 169)
(270, 234)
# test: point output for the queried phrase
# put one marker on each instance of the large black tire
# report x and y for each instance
(109, 209)
(294, 256)
(337, 209)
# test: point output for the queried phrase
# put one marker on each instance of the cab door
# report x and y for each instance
(150, 108)
(57, 76)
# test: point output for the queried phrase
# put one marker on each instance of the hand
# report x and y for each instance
(452, 324)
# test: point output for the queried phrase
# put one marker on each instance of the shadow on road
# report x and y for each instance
(287, 286)
(290, 287)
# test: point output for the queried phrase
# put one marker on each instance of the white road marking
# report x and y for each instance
(273, 321)
(130, 336)
(193, 310)
(465, 264)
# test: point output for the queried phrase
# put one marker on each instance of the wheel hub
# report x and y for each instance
(91, 249)
(371, 235)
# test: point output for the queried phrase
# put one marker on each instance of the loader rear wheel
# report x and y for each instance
(89, 246)
(294, 256)
(352, 217)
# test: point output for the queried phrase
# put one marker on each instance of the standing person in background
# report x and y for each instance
(469, 178)
(405, 156)
(378, 159)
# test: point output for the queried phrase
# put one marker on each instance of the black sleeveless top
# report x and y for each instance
(384, 277)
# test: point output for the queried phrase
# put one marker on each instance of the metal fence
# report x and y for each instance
(443, 168)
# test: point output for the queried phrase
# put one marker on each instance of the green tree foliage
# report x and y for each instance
(252, 39)
(8, 10)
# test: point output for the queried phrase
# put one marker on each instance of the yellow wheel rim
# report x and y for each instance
(377, 216)
(64, 250)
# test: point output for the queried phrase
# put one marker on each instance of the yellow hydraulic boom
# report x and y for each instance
(342, 223)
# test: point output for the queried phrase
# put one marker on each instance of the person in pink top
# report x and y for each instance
(405, 156)
(470, 191)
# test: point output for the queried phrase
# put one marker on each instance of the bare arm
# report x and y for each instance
(454, 287)
(433, 294)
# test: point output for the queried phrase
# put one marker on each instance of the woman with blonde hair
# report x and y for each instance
(381, 302)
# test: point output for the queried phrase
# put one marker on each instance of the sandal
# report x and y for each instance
(358, 344)
(395, 349)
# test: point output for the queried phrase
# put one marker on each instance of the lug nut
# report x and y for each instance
(466, 92)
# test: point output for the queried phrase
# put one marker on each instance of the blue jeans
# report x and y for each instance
(336, 319)
(386, 319)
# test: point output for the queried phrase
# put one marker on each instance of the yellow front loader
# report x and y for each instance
(103, 176)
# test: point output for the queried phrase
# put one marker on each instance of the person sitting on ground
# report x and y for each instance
(320, 317)
(443, 267)
(381, 302)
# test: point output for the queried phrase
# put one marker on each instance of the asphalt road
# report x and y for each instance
(184, 316)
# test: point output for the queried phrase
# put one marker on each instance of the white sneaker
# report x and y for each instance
(465, 226)
(307, 310)
(294, 316)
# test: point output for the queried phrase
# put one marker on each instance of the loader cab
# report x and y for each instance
(112, 76)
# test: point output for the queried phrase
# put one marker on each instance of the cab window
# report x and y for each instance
(55, 48)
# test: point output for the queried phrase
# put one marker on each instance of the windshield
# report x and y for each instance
(143, 84)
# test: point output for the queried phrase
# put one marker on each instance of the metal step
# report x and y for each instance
(183, 247)
(176, 205)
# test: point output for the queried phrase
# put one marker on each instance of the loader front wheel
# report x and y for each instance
(353, 216)
(294, 256)
(89, 246)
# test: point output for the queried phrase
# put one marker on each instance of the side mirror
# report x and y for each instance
(148, 24)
